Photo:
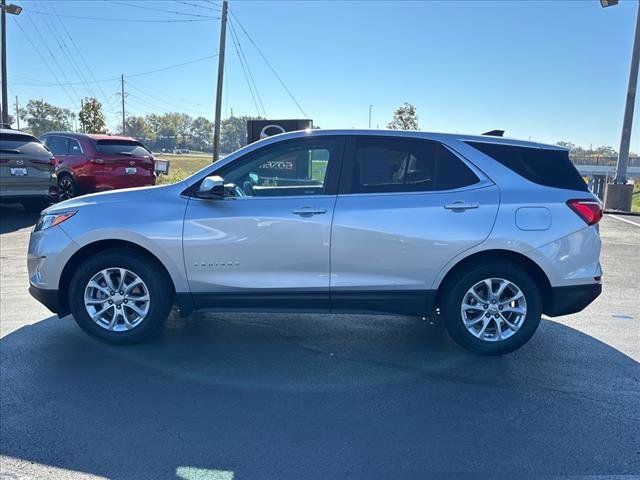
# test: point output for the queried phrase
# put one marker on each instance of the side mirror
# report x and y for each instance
(211, 187)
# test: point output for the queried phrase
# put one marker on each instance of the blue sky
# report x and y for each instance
(551, 70)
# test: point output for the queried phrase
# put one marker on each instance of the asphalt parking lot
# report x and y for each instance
(247, 396)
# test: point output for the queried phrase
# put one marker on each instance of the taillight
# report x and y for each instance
(47, 161)
(588, 210)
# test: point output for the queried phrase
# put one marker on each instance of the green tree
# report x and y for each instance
(233, 133)
(201, 134)
(42, 117)
(404, 118)
(91, 116)
(139, 128)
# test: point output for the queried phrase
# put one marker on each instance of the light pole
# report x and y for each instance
(370, 107)
(618, 194)
(13, 10)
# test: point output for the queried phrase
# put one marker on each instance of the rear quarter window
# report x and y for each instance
(551, 168)
(122, 147)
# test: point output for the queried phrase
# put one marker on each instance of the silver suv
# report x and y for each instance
(484, 232)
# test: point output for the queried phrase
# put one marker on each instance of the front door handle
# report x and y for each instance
(309, 211)
(459, 205)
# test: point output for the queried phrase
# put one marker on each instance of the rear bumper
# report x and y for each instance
(49, 298)
(48, 196)
(571, 299)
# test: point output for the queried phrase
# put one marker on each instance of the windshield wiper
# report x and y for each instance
(10, 150)
(126, 153)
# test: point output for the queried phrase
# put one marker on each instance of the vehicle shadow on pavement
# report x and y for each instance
(14, 217)
(257, 396)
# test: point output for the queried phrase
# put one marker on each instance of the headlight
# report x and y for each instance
(52, 220)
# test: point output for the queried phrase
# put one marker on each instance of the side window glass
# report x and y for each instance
(390, 165)
(452, 172)
(74, 147)
(297, 168)
(58, 145)
(397, 165)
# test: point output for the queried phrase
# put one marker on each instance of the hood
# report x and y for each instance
(128, 195)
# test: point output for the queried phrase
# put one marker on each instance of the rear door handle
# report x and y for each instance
(461, 205)
(309, 211)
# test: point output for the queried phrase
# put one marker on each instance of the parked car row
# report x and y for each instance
(61, 165)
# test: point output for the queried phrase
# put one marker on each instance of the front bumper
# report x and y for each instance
(49, 298)
(571, 299)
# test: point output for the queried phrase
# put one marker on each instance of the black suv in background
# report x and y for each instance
(26, 171)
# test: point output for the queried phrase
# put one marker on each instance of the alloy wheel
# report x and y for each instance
(117, 299)
(66, 189)
(493, 309)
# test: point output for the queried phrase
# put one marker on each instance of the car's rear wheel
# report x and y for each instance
(120, 297)
(492, 309)
(67, 187)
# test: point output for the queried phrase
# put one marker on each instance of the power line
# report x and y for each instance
(242, 57)
(134, 20)
(81, 56)
(173, 12)
(46, 64)
(183, 106)
(210, 9)
(244, 71)
(268, 64)
(189, 62)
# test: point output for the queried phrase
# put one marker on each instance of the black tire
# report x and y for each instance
(158, 284)
(35, 206)
(456, 288)
(67, 187)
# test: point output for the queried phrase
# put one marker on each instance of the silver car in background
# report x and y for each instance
(26, 171)
(486, 233)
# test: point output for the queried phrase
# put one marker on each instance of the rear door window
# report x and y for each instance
(405, 165)
(548, 167)
(122, 147)
(58, 145)
(74, 147)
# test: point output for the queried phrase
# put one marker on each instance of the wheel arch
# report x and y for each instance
(530, 266)
(91, 249)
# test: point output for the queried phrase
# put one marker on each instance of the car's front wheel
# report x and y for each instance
(120, 296)
(492, 309)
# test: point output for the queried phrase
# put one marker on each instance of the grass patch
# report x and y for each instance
(181, 166)
(635, 200)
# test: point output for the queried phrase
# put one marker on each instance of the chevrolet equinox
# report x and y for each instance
(485, 232)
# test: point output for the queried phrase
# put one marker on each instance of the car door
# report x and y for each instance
(405, 208)
(267, 242)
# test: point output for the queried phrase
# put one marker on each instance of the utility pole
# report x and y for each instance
(625, 139)
(122, 93)
(618, 195)
(17, 113)
(216, 125)
(5, 103)
(370, 107)
(81, 111)
(13, 10)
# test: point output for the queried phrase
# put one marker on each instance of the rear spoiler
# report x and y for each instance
(494, 133)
